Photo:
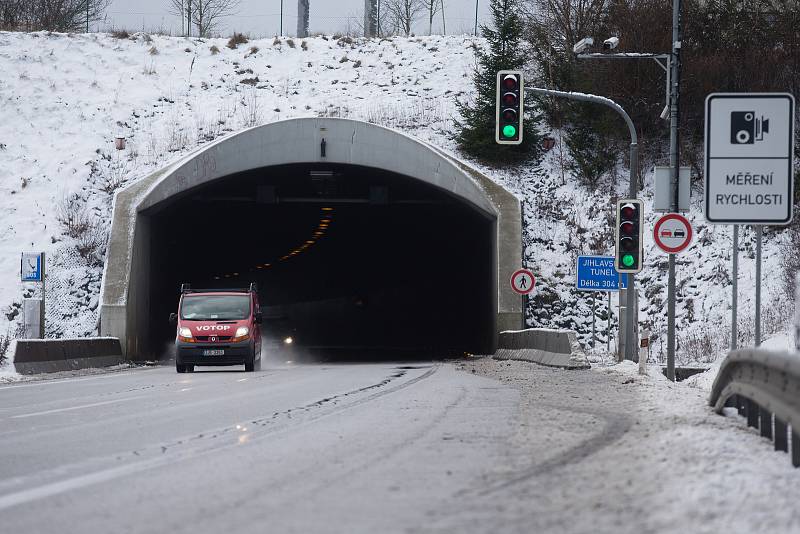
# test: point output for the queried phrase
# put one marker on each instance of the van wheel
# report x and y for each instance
(257, 364)
(189, 368)
(250, 364)
(180, 368)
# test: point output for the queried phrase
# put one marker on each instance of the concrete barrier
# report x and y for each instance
(554, 348)
(32, 356)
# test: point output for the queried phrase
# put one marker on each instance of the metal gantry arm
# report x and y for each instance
(663, 60)
(595, 99)
(632, 192)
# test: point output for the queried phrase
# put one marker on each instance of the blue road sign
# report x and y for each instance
(597, 273)
(31, 268)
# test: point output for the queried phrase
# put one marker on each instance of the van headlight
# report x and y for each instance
(184, 334)
(242, 333)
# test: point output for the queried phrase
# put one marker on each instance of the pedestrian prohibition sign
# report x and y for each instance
(523, 281)
(672, 233)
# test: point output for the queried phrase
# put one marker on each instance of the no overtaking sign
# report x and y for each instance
(749, 158)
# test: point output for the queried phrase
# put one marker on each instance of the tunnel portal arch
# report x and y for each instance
(300, 146)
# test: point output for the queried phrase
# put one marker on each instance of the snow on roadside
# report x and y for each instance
(782, 341)
(608, 450)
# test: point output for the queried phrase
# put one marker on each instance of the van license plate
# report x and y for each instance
(213, 352)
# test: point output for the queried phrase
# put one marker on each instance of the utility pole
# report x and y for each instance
(302, 18)
(476, 17)
(674, 163)
(281, 32)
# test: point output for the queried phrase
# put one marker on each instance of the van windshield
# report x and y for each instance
(215, 307)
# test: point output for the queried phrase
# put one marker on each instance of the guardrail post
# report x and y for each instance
(765, 423)
(781, 441)
(752, 414)
(795, 449)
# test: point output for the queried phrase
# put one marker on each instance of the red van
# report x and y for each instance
(217, 327)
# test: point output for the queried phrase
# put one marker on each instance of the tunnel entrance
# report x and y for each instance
(359, 237)
(345, 257)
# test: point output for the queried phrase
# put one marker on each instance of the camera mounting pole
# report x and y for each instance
(674, 163)
(631, 314)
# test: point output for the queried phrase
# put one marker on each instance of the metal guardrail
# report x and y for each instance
(764, 386)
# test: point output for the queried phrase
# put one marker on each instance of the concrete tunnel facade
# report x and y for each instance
(412, 187)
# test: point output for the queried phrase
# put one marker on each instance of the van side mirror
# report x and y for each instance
(259, 318)
(173, 318)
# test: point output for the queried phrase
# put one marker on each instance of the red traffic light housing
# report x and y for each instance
(509, 113)
(628, 248)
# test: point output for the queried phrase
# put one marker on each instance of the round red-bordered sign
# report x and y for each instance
(523, 281)
(673, 233)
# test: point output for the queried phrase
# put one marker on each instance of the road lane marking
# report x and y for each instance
(48, 490)
(71, 408)
(71, 380)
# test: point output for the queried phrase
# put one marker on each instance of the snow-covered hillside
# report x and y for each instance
(64, 98)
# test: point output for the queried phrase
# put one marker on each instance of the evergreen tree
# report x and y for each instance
(477, 131)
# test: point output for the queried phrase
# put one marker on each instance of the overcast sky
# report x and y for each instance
(262, 17)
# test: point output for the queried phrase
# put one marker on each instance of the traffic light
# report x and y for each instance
(509, 112)
(630, 223)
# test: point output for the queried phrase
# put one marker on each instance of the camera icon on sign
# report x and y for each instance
(746, 129)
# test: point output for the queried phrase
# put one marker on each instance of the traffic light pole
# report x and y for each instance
(630, 311)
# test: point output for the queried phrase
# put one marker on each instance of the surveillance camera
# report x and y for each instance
(611, 43)
(665, 113)
(583, 45)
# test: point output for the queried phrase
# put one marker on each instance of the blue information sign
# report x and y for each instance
(597, 273)
(31, 267)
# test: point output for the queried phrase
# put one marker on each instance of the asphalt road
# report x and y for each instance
(369, 447)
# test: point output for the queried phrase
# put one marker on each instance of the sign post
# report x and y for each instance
(523, 282)
(749, 144)
(32, 270)
(597, 273)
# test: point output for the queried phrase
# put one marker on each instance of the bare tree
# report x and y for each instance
(206, 15)
(52, 15)
(403, 13)
(178, 8)
(13, 14)
(432, 7)
(565, 21)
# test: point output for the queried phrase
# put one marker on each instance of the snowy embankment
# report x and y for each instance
(66, 97)
(609, 450)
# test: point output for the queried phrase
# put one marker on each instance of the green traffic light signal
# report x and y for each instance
(510, 107)
(629, 237)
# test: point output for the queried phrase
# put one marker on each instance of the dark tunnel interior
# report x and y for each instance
(345, 257)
